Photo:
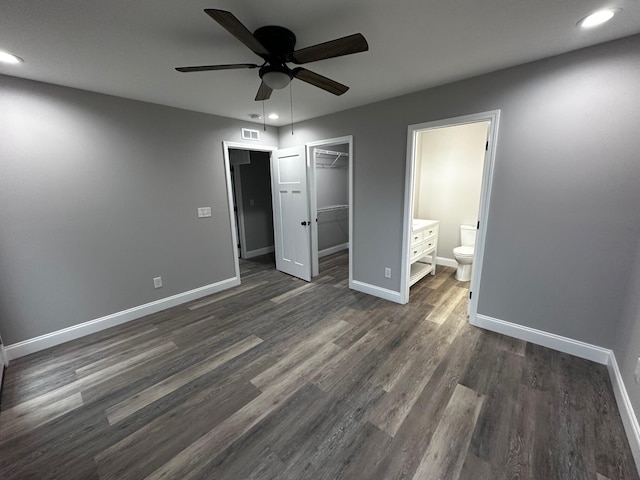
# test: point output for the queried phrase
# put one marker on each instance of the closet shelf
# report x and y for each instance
(331, 208)
(338, 155)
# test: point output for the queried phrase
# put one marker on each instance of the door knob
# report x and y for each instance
(304, 224)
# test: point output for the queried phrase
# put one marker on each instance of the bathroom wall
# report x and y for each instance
(450, 180)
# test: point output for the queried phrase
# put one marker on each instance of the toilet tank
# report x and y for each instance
(468, 235)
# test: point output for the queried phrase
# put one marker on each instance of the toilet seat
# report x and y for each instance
(463, 251)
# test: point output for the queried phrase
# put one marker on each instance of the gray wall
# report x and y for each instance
(564, 209)
(449, 180)
(255, 179)
(627, 342)
(98, 195)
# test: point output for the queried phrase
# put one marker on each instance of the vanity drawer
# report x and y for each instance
(430, 232)
(416, 237)
(429, 244)
(416, 251)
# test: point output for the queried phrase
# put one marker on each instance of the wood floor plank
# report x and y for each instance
(414, 435)
(34, 413)
(293, 293)
(221, 296)
(446, 304)
(147, 448)
(140, 400)
(189, 461)
(448, 448)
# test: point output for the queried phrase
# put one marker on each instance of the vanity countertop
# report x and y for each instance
(419, 223)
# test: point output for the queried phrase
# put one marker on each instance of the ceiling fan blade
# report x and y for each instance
(319, 81)
(206, 68)
(229, 22)
(264, 92)
(335, 48)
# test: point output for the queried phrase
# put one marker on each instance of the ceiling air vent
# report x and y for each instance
(248, 134)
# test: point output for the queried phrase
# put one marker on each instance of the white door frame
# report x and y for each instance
(493, 117)
(313, 197)
(237, 188)
(227, 167)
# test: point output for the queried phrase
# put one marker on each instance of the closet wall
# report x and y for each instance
(332, 190)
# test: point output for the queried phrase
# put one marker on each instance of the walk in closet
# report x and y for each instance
(332, 192)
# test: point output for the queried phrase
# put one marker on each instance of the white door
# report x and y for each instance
(291, 218)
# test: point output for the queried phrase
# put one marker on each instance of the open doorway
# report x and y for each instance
(448, 183)
(248, 171)
(330, 165)
(251, 185)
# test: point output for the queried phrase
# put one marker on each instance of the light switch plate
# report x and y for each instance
(204, 212)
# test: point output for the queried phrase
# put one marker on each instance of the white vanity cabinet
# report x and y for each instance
(423, 245)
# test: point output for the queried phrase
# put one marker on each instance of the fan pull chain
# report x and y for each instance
(264, 121)
(291, 103)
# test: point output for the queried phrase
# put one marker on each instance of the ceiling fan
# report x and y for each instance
(276, 47)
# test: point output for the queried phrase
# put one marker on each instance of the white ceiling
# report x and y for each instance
(129, 48)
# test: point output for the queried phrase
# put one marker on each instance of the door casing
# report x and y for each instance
(493, 117)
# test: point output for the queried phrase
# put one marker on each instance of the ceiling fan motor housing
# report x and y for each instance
(279, 41)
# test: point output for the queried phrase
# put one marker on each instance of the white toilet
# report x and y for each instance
(464, 253)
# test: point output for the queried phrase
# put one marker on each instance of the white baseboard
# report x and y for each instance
(546, 339)
(36, 344)
(446, 262)
(390, 295)
(258, 252)
(629, 419)
(334, 249)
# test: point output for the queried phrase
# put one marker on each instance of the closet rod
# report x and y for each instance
(330, 152)
(331, 208)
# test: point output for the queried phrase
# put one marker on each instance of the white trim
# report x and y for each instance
(36, 344)
(232, 220)
(237, 186)
(334, 249)
(546, 339)
(4, 359)
(629, 419)
(390, 295)
(493, 117)
(313, 200)
(446, 262)
(259, 251)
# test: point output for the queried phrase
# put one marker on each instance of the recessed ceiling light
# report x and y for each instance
(598, 18)
(6, 57)
(274, 116)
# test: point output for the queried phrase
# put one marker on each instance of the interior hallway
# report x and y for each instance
(282, 379)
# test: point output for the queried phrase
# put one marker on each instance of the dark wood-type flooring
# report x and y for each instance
(282, 379)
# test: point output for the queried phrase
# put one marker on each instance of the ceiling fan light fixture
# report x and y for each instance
(276, 79)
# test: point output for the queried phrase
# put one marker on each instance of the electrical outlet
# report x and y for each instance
(157, 282)
(636, 372)
(387, 272)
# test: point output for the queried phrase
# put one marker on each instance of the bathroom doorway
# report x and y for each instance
(448, 182)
